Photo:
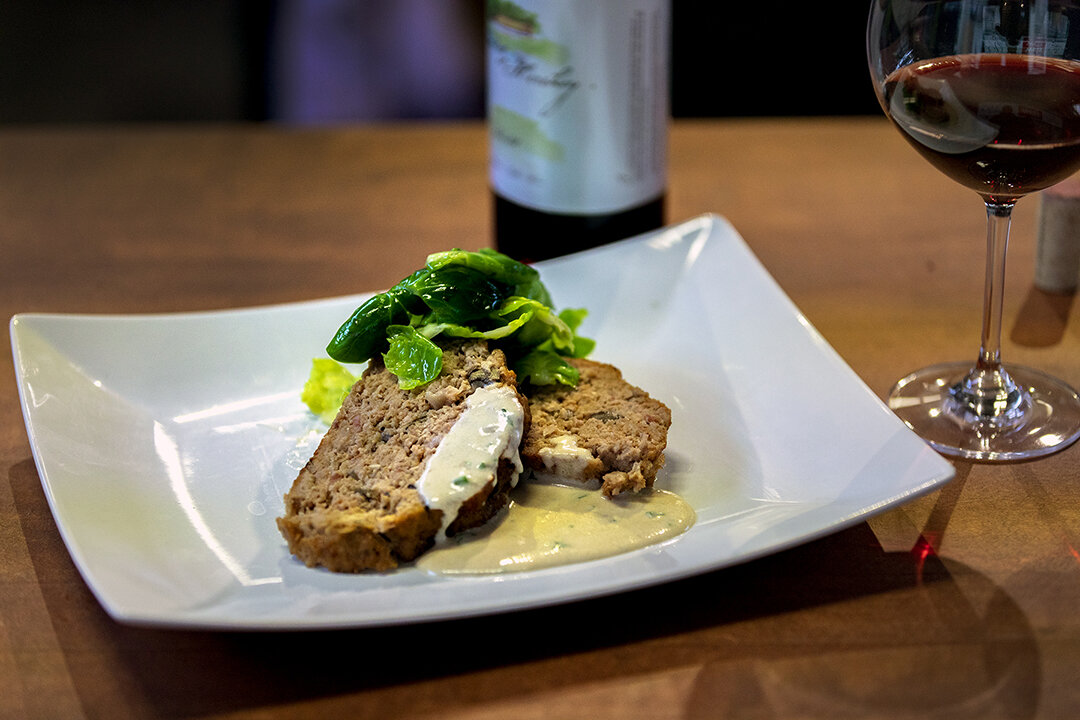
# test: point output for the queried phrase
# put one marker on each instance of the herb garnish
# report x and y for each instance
(464, 294)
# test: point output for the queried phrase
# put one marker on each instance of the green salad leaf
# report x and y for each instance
(326, 388)
(364, 333)
(412, 357)
(573, 319)
(524, 280)
(465, 294)
(544, 367)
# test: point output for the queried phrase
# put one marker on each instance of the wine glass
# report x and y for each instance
(988, 91)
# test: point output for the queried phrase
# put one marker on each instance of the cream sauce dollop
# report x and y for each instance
(553, 524)
(468, 456)
(565, 457)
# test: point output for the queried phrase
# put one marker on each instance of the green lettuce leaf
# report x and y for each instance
(544, 367)
(326, 388)
(521, 279)
(362, 336)
(412, 357)
(573, 318)
(464, 294)
(458, 294)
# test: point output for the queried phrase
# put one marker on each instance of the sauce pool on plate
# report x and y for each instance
(550, 524)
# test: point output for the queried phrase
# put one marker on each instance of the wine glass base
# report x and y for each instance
(1050, 423)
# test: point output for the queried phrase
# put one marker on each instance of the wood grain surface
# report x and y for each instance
(962, 604)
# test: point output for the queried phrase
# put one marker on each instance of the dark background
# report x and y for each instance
(227, 60)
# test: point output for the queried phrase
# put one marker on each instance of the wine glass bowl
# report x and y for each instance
(1004, 151)
(987, 91)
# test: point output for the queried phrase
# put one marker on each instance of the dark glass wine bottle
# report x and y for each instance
(577, 110)
(530, 235)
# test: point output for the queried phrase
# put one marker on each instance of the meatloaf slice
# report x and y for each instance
(604, 428)
(356, 505)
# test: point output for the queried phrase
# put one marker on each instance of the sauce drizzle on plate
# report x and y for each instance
(551, 524)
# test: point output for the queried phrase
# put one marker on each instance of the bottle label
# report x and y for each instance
(578, 102)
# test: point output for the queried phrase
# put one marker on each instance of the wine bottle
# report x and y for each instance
(577, 109)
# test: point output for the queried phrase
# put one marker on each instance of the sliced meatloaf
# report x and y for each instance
(358, 504)
(605, 428)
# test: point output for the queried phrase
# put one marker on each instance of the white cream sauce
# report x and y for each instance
(565, 457)
(548, 525)
(468, 456)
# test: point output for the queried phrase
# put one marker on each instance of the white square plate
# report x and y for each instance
(166, 442)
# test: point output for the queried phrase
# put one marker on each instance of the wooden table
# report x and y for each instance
(965, 603)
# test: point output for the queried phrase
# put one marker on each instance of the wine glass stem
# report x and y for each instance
(987, 394)
(998, 220)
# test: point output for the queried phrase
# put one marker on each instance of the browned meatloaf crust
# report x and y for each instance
(354, 506)
(619, 430)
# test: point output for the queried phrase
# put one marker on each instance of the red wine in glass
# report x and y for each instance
(1002, 125)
